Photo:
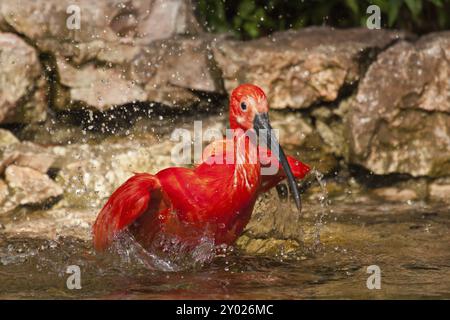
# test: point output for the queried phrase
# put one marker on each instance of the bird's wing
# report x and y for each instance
(126, 204)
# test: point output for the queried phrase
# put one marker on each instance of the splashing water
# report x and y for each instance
(276, 221)
(36, 268)
(324, 204)
(310, 220)
(172, 255)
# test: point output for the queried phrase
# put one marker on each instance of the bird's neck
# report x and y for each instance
(247, 167)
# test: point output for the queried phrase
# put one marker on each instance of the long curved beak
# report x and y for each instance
(261, 122)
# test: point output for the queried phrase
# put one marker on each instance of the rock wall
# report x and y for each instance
(118, 55)
(304, 68)
(23, 89)
(399, 121)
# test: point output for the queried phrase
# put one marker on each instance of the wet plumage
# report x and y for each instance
(216, 197)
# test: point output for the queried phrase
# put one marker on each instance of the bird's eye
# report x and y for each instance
(243, 106)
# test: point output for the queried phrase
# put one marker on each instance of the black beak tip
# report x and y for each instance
(298, 203)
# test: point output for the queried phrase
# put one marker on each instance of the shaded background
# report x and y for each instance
(249, 19)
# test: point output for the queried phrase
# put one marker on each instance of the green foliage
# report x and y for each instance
(255, 18)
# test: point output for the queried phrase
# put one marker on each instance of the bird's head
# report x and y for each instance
(246, 102)
(249, 111)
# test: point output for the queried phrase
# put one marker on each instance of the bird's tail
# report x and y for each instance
(130, 201)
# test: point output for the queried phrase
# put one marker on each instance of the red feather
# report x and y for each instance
(125, 205)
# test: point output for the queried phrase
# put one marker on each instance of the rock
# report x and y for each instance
(89, 174)
(4, 192)
(294, 128)
(335, 190)
(300, 68)
(267, 247)
(170, 70)
(100, 88)
(30, 186)
(439, 190)
(22, 85)
(274, 218)
(322, 113)
(109, 31)
(400, 121)
(333, 136)
(166, 71)
(123, 53)
(27, 154)
(7, 138)
(276, 227)
(52, 224)
(395, 194)
(301, 139)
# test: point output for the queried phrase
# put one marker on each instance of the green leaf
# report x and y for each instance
(251, 29)
(437, 3)
(394, 8)
(415, 6)
(383, 4)
(353, 5)
(246, 9)
(442, 18)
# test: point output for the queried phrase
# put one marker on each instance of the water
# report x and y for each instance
(339, 238)
(175, 256)
(409, 242)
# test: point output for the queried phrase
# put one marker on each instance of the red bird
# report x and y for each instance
(216, 197)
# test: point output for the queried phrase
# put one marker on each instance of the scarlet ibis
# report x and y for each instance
(213, 197)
